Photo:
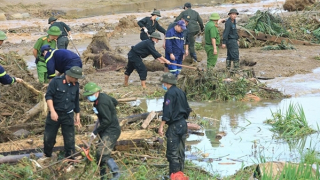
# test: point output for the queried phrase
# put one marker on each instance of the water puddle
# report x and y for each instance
(246, 136)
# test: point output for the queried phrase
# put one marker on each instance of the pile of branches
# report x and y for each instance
(282, 46)
(224, 86)
(267, 23)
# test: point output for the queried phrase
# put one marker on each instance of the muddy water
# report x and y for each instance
(247, 137)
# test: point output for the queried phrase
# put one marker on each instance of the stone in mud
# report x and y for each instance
(25, 15)
(17, 16)
(21, 133)
(3, 17)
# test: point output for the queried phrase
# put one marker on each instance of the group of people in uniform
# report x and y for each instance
(62, 94)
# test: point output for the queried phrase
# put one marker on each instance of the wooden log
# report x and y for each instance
(267, 37)
(193, 126)
(31, 88)
(147, 121)
(16, 158)
(127, 99)
(134, 118)
(41, 107)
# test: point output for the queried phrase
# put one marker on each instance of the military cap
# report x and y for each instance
(75, 72)
(187, 5)
(156, 12)
(169, 78)
(51, 19)
(233, 11)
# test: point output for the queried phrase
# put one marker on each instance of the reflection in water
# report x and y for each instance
(247, 138)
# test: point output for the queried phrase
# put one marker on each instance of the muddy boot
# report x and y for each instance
(228, 64)
(114, 169)
(103, 170)
(143, 84)
(194, 57)
(126, 80)
(236, 65)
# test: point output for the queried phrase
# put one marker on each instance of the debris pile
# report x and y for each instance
(297, 5)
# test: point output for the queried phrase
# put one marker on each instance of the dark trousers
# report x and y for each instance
(176, 138)
(232, 50)
(66, 122)
(135, 63)
(191, 39)
(106, 144)
(144, 36)
(63, 42)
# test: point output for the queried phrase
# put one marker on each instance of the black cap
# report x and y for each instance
(187, 5)
(186, 18)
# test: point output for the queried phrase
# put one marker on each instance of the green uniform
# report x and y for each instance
(211, 32)
(41, 63)
(193, 27)
(63, 40)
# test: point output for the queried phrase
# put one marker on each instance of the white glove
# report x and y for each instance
(93, 136)
(146, 30)
(70, 37)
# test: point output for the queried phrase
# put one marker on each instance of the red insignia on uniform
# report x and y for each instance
(167, 101)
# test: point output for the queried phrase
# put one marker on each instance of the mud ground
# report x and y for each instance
(22, 35)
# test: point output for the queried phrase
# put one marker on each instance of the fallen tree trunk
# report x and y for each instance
(147, 121)
(267, 37)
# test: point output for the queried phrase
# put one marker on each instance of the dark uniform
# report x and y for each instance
(61, 60)
(135, 55)
(109, 130)
(193, 27)
(65, 99)
(5, 78)
(63, 40)
(230, 39)
(175, 112)
(152, 26)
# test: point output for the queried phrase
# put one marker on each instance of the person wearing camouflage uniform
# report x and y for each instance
(212, 39)
(149, 25)
(51, 39)
(193, 27)
(63, 40)
(230, 40)
(109, 130)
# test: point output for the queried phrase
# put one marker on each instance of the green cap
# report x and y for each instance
(155, 35)
(214, 16)
(233, 11)
(3, 36)
(75, 72)
(91, 88)
(156, 12)
(51, 19)
(169, 78)
(54, 31)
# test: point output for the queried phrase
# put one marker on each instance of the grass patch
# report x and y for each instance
(290, 124)
(198, 46)
(282, 46)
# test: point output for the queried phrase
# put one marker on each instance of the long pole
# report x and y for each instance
(186, 66)
(72, 42)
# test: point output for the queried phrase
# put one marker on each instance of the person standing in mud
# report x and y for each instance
(175, 112)
(63, 101)
(175, 47)
(63, 40)
(149, 25)
(4, 77)
(231, 40)
(212, 39)
(51, 39)
(193, 27)
(59, 59)
(109, 130)
(139, 51)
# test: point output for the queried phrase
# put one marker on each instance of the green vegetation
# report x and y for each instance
(282, 46)
(198, 46)
(290, 124)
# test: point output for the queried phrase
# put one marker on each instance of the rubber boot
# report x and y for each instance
(114, 169)
(103, 170)
(236, 64)
(126, 80)
(194, 57)
(143, 84)
(228, 64)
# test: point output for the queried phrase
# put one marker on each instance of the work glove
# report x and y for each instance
(146, 30)
(70, 37)
(93, 136)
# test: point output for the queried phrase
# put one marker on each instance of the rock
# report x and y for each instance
(17, 16)
(25, 15)
(21, 133)
(3, 17)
